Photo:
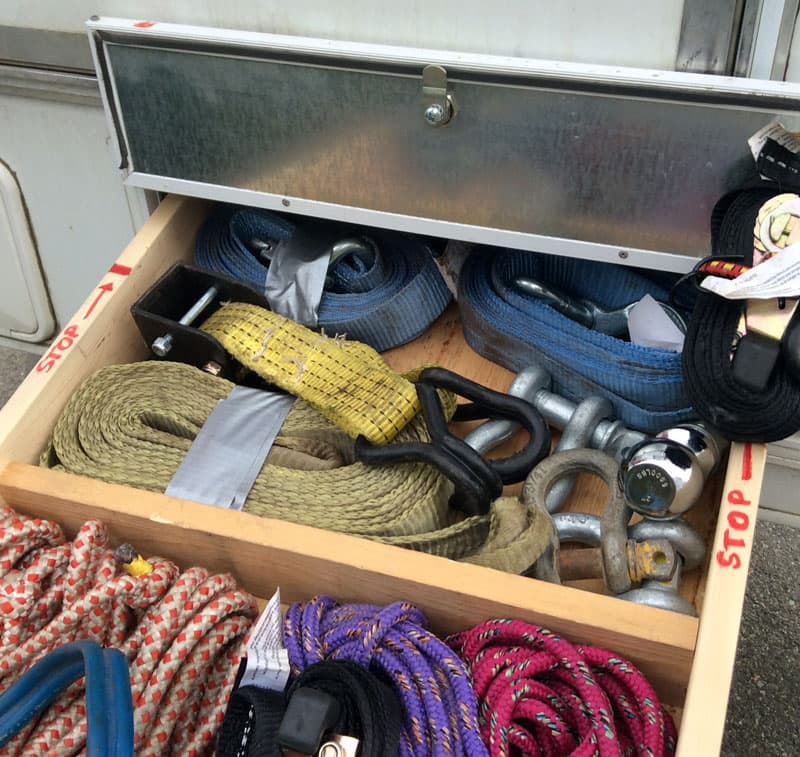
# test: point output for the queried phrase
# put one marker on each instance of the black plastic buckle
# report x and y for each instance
(477, 481)
(309, 715)
(158, 312)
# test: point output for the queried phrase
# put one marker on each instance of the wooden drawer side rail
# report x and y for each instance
(262, 552)
(102, 332)
(705, 710)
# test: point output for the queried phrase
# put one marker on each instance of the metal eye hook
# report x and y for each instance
(262, 248)
(353, 246)
(346, 246)
(611, 322)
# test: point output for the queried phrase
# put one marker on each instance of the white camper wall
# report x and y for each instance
(626, 32)
(54, 139)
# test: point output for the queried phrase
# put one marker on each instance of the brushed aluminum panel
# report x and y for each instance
(618, 157)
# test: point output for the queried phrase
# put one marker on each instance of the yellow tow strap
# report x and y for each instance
(348, 382)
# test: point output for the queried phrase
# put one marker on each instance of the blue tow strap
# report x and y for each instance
(109, 705)
(514, 329)
(384, 300)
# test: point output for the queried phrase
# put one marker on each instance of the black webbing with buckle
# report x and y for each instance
(330, 697)
(737, 411)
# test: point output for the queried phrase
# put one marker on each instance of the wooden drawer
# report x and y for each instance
(689, 661)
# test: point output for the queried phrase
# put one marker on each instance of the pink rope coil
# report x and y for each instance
(540, 695)
(183, 634)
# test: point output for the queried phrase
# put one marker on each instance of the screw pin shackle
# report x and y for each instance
(661, 476)
(585, 528)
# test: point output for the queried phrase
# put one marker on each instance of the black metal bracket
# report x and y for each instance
(158, 312)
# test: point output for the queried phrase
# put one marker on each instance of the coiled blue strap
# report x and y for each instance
(109, 705)
(514, 329)
(384, 301)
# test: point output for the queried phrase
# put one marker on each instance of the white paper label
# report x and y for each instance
(267, 658)
(779, 276)
(777, 131)
(450, 262)
(650, 326)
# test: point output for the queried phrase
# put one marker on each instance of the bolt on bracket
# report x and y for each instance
(439, 106)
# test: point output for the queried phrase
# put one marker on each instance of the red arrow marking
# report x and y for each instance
(103, 289)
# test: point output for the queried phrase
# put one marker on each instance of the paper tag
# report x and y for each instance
(779, 276)
(650, 326)
(777, 131)
(267, 658)
(450, 262)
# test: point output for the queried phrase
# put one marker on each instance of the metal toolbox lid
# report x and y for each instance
(590, 161)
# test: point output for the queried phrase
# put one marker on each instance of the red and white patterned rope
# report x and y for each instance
(182, 633)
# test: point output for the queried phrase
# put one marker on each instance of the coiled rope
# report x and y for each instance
(182, 634)
(439, 706)
(383, 300)
(515, 329)
(133, 424)
(539, 694)
(738, 412)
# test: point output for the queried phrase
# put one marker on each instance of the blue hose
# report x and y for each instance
(384, 300)
(109, 704)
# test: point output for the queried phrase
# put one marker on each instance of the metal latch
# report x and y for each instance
(437, 101)
(339, 746)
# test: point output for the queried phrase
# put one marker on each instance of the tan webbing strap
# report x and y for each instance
(133, 424)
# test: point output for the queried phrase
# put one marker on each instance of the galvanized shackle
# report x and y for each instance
(622, 560)
(532, 385)
(662, 476)
(689, 546)
(691, 550)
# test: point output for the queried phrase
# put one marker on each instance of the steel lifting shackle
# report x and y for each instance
(691, 550)
(689, 546)
(624, 561)
(577, 424)
(661, 476)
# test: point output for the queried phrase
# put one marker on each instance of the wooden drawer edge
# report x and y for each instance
(86, 343)
(262, 552)
(705, 710)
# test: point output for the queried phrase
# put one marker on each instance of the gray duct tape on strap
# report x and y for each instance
(296, 274)
(231, 447)
(229, 451)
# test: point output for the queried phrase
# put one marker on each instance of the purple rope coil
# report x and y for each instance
(440, 708)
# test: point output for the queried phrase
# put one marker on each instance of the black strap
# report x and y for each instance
(779, 164)
(477, 480)
(252, 719)
(739, 413)
(368, 710)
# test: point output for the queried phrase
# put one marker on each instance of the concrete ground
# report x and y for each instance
(763, 711)
(764, 708)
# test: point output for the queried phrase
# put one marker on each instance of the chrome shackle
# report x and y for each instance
(662, 477)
